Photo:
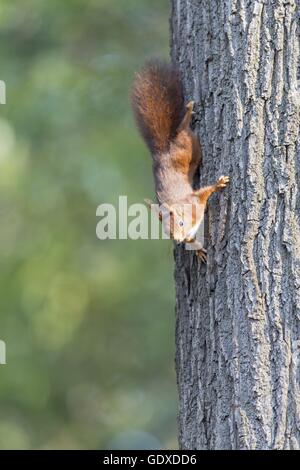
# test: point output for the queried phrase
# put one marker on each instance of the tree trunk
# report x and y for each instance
(238, 318)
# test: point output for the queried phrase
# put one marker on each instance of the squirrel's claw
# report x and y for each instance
(202, 255)
(190, 107)
(222, 182)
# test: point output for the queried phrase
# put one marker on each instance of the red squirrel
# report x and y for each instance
(164, 122)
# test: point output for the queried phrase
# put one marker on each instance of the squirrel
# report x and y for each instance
(164, 123)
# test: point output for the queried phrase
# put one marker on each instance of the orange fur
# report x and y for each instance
(158, 105)
(157, 101)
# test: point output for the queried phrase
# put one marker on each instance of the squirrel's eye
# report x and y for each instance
(181, 223)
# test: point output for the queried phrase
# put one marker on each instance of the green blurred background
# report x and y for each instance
(88, 324)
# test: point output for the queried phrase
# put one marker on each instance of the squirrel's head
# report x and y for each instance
(180, 221)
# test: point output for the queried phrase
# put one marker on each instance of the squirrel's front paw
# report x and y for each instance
(202, 255)
(222, 182)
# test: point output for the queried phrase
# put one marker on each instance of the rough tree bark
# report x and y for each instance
(238, 318)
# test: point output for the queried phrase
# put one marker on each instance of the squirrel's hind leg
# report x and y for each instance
(196, 157)
(186, 121)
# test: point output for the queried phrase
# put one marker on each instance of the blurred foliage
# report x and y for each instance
(88, 324)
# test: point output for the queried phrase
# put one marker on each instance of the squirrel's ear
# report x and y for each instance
(149, 202)
(154, 207)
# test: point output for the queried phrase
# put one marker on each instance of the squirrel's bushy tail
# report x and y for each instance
(158, 105)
